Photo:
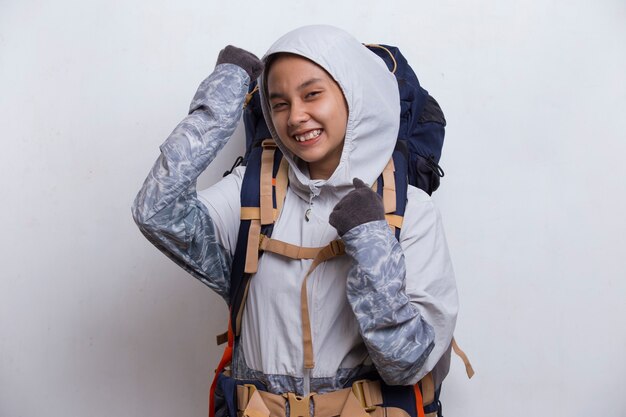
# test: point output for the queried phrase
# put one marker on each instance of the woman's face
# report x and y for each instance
(309, 112)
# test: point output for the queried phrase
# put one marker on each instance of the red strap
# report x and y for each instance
(419, 403)
(226, 357)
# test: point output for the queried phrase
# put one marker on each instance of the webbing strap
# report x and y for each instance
(226, 358)
(389, 192)
(239, 316)
(352, 408)
(280, 184)
(282, 180)
(468, 366)
(274, 403)
(252, 251)
(266, 196)
(419, 402)
(334, 248)
(389, 188)
(428, 389)
(256, 406)
(254, 213)
(394, 220)
(267, 244)
(250, 95)
(222, 338)
(319, 255)
(343, 402)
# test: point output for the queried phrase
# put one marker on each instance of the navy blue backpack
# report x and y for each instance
(422, 123)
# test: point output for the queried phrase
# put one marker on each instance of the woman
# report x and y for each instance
(388, 307)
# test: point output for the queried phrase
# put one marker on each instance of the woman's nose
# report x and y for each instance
(297, 114)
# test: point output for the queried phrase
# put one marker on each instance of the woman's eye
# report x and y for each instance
(313, 94)
(278, 106)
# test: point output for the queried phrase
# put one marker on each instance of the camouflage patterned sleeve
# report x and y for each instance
(396, 335)
(166, 208)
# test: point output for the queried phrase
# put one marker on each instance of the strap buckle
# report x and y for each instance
(250, 390)
(359, 393)
(299, 406)
(268, 144)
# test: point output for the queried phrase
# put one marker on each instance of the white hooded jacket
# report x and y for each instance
(388, 306)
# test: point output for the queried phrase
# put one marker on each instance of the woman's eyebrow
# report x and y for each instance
(302, 86)
(308, 83)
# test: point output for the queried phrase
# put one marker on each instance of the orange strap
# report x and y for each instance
(419, 403)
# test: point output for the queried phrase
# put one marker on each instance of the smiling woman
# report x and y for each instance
(309, 112)
(382, 307)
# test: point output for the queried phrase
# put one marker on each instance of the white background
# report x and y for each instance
(94, 321)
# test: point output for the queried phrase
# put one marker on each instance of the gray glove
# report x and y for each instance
(359, 206)
(242, 58)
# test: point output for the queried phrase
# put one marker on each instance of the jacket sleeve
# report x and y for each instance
(403, 293)
(167, 209)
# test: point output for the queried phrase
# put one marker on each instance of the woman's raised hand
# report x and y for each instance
(359, 206)
(242, 58)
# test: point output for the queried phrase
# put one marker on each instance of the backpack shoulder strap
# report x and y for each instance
(392, 187)
(263, 191)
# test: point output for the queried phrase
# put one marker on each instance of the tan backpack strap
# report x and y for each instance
(394, 220)
(279, 247)
(265, 213)
(389, 188)
(389, 196)
(267, 182)
(428, 388)
(334, 248)
(242, 306)
(468, 366)
(395, 64)
(368, 393)
(319, 255)
(255, 406)
(252, 251)
(352, 408)
(282, 180)
(249, 96)
(266, 190)
(254, 213)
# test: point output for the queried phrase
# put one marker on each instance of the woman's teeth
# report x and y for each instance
(308, 135)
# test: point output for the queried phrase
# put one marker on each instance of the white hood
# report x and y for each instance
(371, 92)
